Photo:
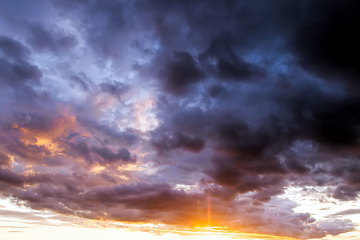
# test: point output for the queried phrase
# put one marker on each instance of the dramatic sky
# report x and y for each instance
(161, 119)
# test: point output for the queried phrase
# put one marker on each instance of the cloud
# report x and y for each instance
(15, 69)
(4, 159)
(347, 212)
(81, 81)
(51, 39)
(180, 72)
(22, 216)
(13, 49)
(123, 154)
(245, 98)
(168, 142)
(331, 52)
(222, 61)
(11, 177)
(116, 88)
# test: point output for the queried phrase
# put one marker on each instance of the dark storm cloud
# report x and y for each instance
(249, 98)
(14, 66)
(323, 116)
(310, 113)
(168, 142)
(13, 49)
(49, 38)
(324, 39)
(18, 73)
(180, 72)
(223, 62)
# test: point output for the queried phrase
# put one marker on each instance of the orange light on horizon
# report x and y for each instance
(131, 230)
(197, 232)
(209, 211)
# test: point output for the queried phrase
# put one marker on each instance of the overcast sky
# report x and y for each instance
(239, 114)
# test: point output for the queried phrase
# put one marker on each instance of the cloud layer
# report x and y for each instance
(147, 110)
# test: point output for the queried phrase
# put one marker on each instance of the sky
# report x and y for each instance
(191, 119)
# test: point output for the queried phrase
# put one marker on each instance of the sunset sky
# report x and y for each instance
(172, 120)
